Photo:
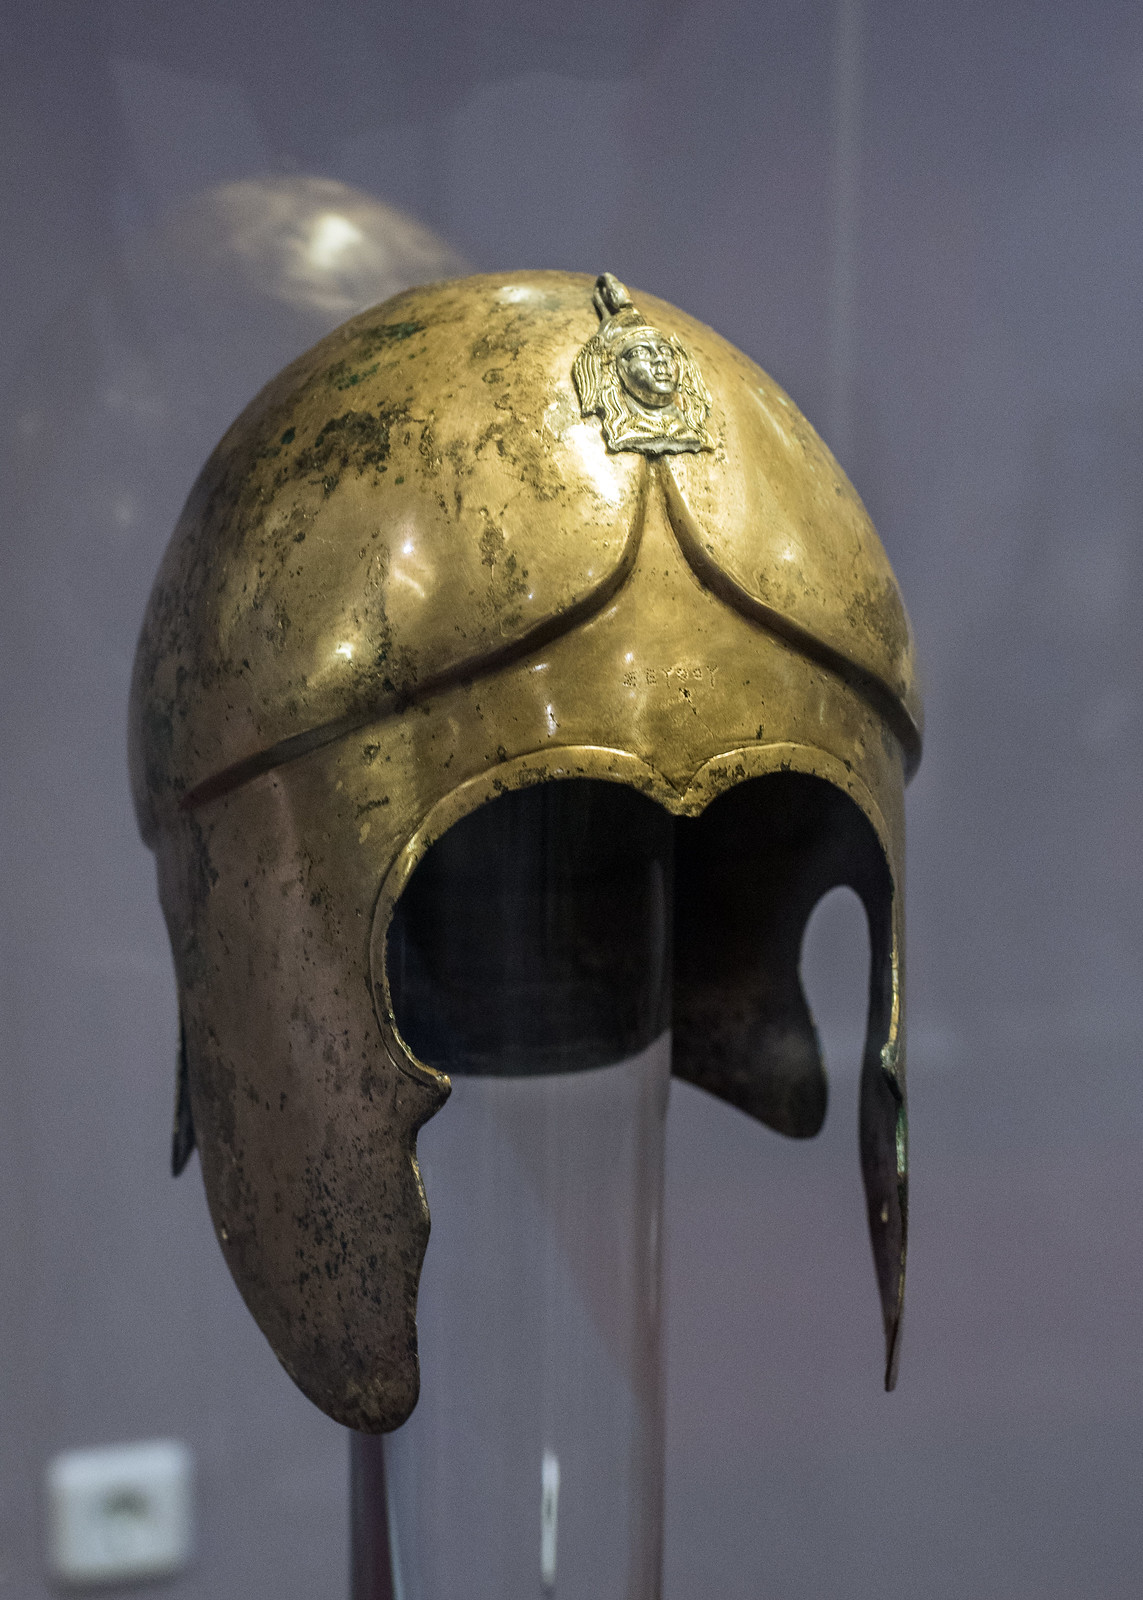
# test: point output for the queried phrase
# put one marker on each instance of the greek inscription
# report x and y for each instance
(702, 672)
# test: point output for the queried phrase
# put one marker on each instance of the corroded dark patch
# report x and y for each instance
(356, 439)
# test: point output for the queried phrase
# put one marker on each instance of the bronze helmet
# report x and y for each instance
(496, 532)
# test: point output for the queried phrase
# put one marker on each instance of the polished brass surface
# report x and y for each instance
(427, 565)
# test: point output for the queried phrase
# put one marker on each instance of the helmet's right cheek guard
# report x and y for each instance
(306, 1129)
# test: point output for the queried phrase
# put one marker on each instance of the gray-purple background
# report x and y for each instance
(927, 222)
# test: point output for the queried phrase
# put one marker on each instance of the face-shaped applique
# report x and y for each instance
(649, 370)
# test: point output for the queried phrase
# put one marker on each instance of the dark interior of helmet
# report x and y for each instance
(748, 873)
(535, 935)
(565, 926)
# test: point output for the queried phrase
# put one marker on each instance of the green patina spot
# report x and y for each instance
(289, 436)
(370, 341)
(342, 378)
(384, 333)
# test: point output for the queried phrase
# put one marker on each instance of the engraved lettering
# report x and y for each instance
(702, 672)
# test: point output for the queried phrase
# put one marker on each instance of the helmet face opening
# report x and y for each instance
(456, 583)
(565, 926)
(535, 936)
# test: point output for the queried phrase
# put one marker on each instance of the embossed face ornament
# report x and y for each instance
(649, 370)
(498, 532)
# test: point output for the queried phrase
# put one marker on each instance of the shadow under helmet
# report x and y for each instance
(496, 532)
